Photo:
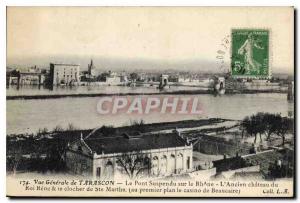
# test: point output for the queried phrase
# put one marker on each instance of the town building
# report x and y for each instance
(31, 78)
(25, 76)
(124, 78)
(113, 78)
(99, 156)
(64, 74)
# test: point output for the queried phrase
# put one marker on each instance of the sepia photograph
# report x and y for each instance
(150, 102)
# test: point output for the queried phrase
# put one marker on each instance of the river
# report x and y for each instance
(67, 90)
(27, 116)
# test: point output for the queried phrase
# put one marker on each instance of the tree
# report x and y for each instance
(138, 126)
(42, 132)
(282, 127)
(55, 159)
(247, 125)
(270, 121)
(108, 130)
(260, 125)
(102, 76)
(134, 76)
(14, 159)
(58, 129)
(266, 123)
(71, 127)
(253, 126)
(134, 164)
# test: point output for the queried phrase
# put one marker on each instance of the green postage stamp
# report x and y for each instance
(250, 53)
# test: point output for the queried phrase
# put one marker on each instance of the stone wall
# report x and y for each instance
(219, 147)
(78, 163)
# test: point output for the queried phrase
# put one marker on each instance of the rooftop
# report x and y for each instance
(130, 143)
(231, 163)
(64, 64)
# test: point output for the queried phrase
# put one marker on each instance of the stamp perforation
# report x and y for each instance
(269, 52)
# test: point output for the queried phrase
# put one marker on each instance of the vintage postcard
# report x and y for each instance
(150, 102)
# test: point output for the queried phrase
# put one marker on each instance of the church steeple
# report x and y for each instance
(90, 67)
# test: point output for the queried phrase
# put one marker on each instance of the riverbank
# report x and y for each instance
(43, 141)
(181, 92)
(135, 126)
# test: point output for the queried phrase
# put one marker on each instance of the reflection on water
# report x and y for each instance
(41, 90)
(30, 115)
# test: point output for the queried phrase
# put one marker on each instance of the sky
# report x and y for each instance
(158, 36)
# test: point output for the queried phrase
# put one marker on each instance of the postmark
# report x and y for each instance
(250, 53)
(223, 54)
